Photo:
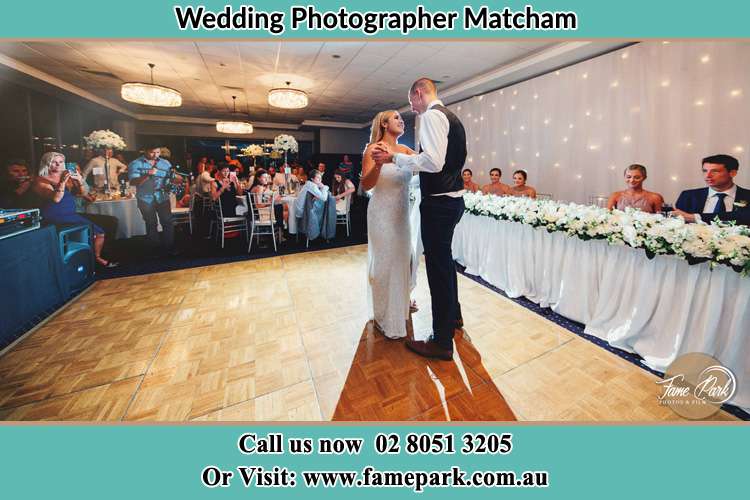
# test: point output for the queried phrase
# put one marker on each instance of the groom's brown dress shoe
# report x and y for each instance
(429, 349)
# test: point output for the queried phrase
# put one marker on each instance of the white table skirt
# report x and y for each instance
(660, 308)
(287, 200)
(127, 213)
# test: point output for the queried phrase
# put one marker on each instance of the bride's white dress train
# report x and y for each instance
(391, 261)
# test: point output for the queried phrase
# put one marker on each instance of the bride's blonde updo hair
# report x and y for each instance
(377, 131)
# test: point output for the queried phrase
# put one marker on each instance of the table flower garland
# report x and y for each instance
(717, 243)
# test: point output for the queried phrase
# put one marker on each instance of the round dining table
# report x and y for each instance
(126, 210)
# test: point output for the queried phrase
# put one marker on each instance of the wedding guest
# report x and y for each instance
(519, 187)
(495, 186)
(469, 185)
(205, 180)
(635, 196)
(94, 173)
(277, 178)
(57, 188)
(721, 198)
(150, 174)
(315, 186)
(226, 188)
(15, 186)
(346, 167)
(342, 187)
(327, 177)
(263, 194)
(301, 175)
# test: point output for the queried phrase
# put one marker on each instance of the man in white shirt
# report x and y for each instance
(442, 141)
(315, 186)
(96, 167)
(722, 198)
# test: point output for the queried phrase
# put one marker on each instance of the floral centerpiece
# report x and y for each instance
(716, 243)
(253, 150)
(104, 139)
(285, 143)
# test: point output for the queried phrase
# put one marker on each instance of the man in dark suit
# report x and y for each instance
(722, 198)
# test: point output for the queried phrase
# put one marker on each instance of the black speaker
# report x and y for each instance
(77, 257)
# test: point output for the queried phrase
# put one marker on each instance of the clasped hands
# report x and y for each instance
(381, 153)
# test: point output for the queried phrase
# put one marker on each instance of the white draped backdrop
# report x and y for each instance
(664, 105)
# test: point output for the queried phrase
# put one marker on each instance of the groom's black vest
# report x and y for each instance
(448, 179)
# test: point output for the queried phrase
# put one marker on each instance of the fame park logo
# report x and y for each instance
(696, 385)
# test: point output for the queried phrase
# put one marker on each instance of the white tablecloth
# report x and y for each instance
(287, 200)
(127, 213)
(658, 308)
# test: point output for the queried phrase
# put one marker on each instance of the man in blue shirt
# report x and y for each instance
(151, 176)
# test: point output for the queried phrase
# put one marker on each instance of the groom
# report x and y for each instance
(442, 141)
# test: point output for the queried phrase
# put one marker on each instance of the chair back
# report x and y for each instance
(261, 208)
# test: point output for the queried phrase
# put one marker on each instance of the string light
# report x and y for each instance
(614, 84)
(699, 102)
(626, 139)
(736, 92)
(665, 83)
(705, 58)
(624, 55)
(739, 149)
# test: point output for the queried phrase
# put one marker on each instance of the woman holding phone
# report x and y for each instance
(226, 188)
(57, 187)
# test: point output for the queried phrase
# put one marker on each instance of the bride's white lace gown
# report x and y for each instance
(389, 250)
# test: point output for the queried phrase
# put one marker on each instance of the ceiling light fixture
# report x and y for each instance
(234, 127)
(287, 97)
(150, 94)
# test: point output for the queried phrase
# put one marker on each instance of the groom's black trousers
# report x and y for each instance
(439, 216)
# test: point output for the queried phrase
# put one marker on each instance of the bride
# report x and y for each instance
(392, 252)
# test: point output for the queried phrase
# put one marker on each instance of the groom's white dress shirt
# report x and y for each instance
(433, 138)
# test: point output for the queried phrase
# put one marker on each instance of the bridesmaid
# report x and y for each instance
(469, 185)
(635, 196)
(519, 187)
(495, 186)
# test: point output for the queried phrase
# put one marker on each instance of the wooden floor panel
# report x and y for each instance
(289, 339)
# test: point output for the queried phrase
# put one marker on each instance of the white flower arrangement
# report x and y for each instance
(104, 139)
(286, 143)
(716, 243)
(253, 150)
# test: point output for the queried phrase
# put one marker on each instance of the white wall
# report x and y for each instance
(665, 105)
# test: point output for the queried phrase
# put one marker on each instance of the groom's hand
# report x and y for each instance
(382, 153)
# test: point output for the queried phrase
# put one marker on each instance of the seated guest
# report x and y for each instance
(345, 167)
(205, 181)
(315, 186)
(635, 196)
(277, 178)
(342, 187)
(226, 188)
(264, 194)
(57, 188)
(469, 185)
(495, 186)
(15, 186)
(94, 173)
(722, 198)
(301, 175)
(519, 187)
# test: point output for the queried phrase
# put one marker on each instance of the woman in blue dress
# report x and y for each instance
(57, 189)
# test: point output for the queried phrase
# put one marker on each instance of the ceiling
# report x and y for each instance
(346, 81)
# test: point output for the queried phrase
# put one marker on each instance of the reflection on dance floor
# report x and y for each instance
(388, 382)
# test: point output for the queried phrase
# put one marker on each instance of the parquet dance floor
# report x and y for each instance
(287, 338)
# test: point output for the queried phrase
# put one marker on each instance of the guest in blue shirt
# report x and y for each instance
(152, 177)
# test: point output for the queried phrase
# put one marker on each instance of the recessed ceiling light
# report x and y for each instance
(445, 76)
(336, 56)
